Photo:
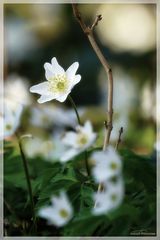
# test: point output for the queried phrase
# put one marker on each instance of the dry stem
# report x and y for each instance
(89, 32)
(119, 138)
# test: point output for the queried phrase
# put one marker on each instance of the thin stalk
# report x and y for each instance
(79, 122)
(75, 108)
(86, 162)
(27, 180)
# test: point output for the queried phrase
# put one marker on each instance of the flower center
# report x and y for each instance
(113, 166)
(8, 127)
(63, 213)
(82, 139)
(113, 197)
(58, 83)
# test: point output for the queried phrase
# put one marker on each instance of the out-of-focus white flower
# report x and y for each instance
(134, 24)
(11, 120)
(121, 121)
(51, 149)
(39, 147)
(110, 198)
(59, 83)
(78, 141)
(107, 164)
(42, 117)
(124, 100)
(148, 101)
(60, 212)
(16, 89)
(46, 116)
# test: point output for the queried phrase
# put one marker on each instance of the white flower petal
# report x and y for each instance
(98, 156)
(77, 79)
(101, 173)
(68, 155)
(71, 71)
(56, 67)
(45, 98)
(69, 139)
(46, 212)
(41, 88)
(49, 72)
(62, 98)
(88, 127)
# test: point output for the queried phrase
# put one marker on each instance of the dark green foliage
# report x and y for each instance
(137, 213)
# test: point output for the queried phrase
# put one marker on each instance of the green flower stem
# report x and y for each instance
(79, 122)
(75, 108)
(28, 180)
(86, 162)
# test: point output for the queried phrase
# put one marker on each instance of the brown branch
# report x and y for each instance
(97, 19)
(89, 32)
(119, 138)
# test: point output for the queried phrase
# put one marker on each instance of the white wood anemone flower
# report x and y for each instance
(110, 198)
(78, 141)
(107, 164)
(59, 82)
(11, 119)
(60, 212)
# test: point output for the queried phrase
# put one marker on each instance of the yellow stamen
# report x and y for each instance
(58, 83)
(82, 139)
(63, 213)
(113, 165)
(114, 197)
(8, 127)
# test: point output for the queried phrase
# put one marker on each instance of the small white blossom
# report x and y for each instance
(110, 198)
(107, 164)
(60, 212)
(59, 82)
(78, 141)
(50, 149)
(37, 147)
(11, 119)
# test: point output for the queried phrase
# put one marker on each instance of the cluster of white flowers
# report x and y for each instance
(107, 164)
(107, 171)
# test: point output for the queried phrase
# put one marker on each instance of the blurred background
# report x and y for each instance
(34, 33)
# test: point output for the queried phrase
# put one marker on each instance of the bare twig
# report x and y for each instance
(89, 32)
(119, 138)
(97, 19)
